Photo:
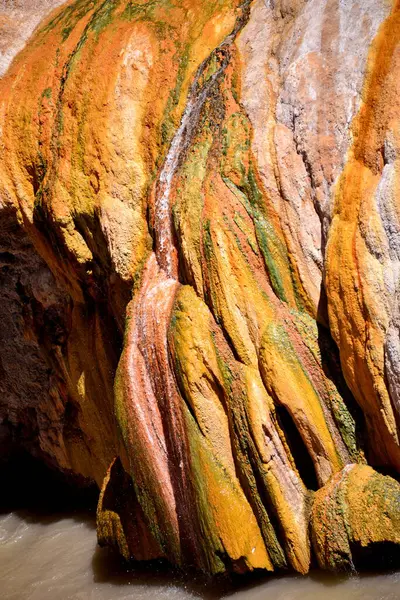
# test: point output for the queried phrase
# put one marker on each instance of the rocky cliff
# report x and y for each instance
(200, 261)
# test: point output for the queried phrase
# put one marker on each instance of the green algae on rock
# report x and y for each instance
(177, 184)
(355, 520)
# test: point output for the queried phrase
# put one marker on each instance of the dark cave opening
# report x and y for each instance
(301, 456)
(377, 556)
(28, 484)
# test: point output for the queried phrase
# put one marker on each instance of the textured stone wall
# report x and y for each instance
(18, 19)
(199, 273)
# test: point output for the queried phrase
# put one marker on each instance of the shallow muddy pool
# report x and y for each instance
(56, 558)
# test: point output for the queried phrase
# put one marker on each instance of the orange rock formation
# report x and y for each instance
(200, 272)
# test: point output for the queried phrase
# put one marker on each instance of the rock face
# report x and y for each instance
(355, 520)
(200, 269)
(18, 19)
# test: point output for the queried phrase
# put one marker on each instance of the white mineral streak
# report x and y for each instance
(152, 394)
(165, 249)
(322, 62)
(392, 359)
(302, 80)
(387, 251)
(280, 166)
(18, 19)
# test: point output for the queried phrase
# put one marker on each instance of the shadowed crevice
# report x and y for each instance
(377, 556)
(301, 456)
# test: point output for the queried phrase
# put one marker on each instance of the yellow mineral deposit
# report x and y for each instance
(201, 231)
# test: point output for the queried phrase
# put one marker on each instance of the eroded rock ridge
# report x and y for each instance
(200, 273)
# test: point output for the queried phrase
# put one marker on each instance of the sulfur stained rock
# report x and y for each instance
(355, 520)
(362, 258)
(199, 272)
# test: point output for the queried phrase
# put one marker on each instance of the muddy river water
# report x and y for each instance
(56, 558)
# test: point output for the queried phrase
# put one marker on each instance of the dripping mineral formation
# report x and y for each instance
(200, 266)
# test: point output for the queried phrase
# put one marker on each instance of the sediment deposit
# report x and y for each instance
(200, 273)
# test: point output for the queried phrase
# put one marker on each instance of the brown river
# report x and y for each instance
(48, 551)
(56, 558)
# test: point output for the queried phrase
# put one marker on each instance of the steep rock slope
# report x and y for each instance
(195, 197)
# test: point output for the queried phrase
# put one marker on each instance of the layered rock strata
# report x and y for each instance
(199, 273)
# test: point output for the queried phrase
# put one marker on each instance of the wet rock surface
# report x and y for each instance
(199, 231)
(355, 521)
